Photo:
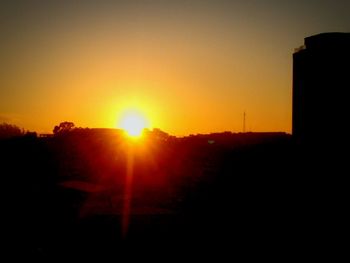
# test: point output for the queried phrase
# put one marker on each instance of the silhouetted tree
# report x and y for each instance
(9, 131)
(64, 127)
(158, 133)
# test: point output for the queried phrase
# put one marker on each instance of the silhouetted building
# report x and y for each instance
(321, 82)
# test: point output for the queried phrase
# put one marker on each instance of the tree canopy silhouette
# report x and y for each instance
(63, 127)
(9, 131)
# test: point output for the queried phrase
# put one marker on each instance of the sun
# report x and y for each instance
(133, 123)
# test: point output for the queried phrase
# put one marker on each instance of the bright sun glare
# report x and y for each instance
(133, 123)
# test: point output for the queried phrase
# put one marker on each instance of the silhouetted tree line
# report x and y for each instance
(10, 131)
(68, 190)
(63, 127)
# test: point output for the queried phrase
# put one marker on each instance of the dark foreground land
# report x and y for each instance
(218, 194)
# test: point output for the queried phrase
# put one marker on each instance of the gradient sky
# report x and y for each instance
(191, 66)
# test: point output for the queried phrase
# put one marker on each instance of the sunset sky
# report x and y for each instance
(189, 66)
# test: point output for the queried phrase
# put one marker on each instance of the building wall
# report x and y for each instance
(321, 81)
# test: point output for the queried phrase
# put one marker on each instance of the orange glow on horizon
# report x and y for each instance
(93, 62)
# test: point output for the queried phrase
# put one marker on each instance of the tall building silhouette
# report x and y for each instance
(321, 82)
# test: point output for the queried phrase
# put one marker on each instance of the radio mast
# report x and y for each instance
(244, 115)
